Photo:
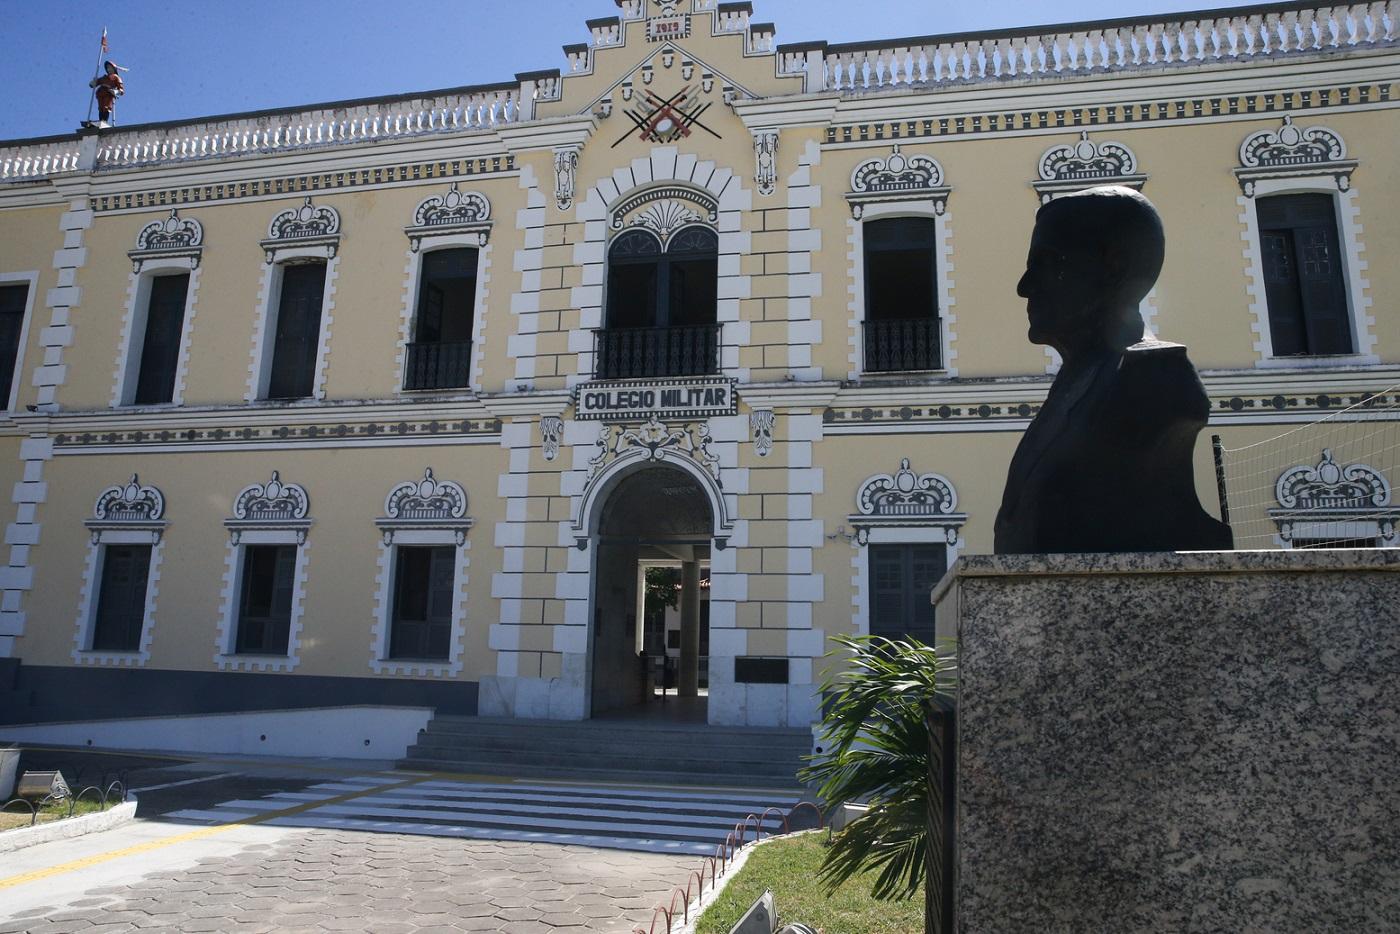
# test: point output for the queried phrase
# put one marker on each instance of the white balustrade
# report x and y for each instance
(36, 160)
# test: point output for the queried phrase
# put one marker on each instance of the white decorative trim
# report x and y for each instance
(428, 504)
(134, 320)
(765, 151)
(129, 506)
(265, 328)
(906, 499)
(943, 248)
(88, 596)
(1071, 167)
(31, 279)
(1358, 285)
(551, 431)
(761, 421)
(275, 506)
(174, 238)
(380, 662)
(1332, 501)
(309, 227)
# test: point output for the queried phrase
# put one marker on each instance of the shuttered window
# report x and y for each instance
(265, 605)
(13, 298)
(121, 598)
(1303, 279)
(297, 332)
(901, 579)
(901, 327)
(160, 348)
(422, 622)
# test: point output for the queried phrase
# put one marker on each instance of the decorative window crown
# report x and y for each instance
(897, 177)
(1072, 166)
(273, 501)
(174, 236)
(1334, 501)
(129, 506)
(1290, 152)
(454, 211)
(428, 503)
(665, 210)
(307, 225)
(907, 499)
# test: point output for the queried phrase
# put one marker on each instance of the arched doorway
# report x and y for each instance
(648, 659)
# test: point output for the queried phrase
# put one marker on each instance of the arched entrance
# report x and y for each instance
(647, 659)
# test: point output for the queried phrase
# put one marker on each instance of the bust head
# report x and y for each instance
(1094, 255)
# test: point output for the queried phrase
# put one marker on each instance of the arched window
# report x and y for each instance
(661, 305)
(901, 294)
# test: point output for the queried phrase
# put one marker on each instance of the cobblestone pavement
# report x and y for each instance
(327, 880)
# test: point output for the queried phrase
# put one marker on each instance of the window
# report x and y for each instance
(13, 299)
(901, 577)
(121, 600)
(297, 332)
(265, 602)
(661, 305)
(1303, 278)
(439, 356)
(422, 624)
(160, 348)
(901, 289)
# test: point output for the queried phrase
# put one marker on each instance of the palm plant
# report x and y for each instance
(882, 747)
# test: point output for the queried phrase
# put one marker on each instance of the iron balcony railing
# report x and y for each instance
(631, 353)
(437, 365)
(902, 344)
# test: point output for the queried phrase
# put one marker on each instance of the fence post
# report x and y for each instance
(1219, 450)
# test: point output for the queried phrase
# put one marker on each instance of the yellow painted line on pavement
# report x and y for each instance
(202, 832)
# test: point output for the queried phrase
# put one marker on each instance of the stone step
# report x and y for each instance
(654, 762)
(711, 779)
(613, 731)
(747, 751)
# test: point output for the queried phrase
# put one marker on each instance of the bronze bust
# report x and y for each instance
(1106, 465)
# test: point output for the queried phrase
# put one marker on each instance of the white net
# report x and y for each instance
(1325, 484)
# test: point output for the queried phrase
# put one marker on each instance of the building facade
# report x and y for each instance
(388, 401)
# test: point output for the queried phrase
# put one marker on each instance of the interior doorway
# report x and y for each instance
(649, 654)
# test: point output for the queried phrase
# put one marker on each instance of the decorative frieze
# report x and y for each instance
(251, 436)
(130, 506)
(426, 504)
(453, 212)
(665, 209)
(171, 237)
(907, 499)
(897, 177)
(1074, 166)
(274, 505)
(310, 225)
(1290, 152)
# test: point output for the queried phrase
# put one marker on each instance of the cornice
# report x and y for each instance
(526, 404)
(547, 133)
(782, 112)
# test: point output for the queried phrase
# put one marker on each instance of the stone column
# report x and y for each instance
(688, 682)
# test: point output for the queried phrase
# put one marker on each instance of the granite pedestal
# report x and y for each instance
(1178, 742)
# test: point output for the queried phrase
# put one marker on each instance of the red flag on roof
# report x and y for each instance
(104, 42)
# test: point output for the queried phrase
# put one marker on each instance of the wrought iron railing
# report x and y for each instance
(437, 365)
(902, 344)
(631, 353)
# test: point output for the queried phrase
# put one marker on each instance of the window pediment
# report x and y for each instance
(666, 210)
(905, 499)
(897, 177)
(310, 225)
(425, 504)
(1075, 166)
(275, 506)
(170, 238)
(452, 212)
(1329, 494)
(131, 507)
(1292, 152)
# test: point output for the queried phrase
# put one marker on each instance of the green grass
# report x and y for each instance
(789, 867)
(18, 815)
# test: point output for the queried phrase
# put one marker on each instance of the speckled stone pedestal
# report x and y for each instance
(1178, 742)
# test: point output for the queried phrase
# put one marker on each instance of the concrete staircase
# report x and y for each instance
(612, 751)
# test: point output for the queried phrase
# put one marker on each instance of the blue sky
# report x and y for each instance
(200, 57)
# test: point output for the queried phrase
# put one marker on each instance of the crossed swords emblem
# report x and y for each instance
(667, 119)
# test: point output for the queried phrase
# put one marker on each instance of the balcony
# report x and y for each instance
(638, 353)
(902, 344)
(437, 365)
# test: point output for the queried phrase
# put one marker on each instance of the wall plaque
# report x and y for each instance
(642, 399)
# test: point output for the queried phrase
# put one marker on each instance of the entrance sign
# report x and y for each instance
(640, 399)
